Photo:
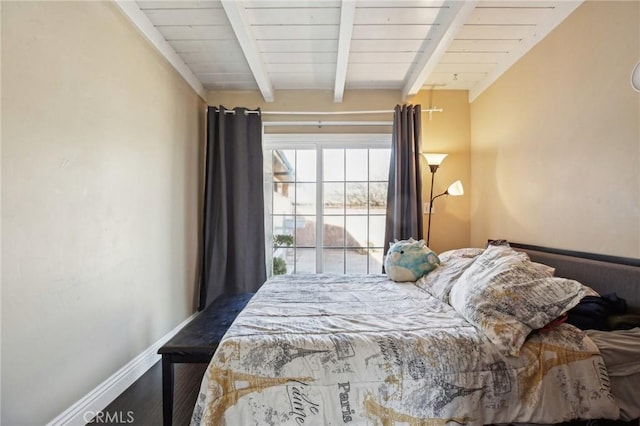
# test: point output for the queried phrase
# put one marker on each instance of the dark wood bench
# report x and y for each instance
(196, 342)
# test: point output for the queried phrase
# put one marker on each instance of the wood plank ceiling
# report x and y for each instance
(339, 45)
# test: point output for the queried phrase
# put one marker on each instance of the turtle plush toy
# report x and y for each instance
(408, 260)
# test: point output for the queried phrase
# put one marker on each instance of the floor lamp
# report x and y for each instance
(455, 189)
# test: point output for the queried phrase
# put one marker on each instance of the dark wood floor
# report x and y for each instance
(141, 403)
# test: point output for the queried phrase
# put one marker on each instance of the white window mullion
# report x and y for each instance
(319, 210)
(368, 206)
(268, 209)
(344, 214)
(295, 217)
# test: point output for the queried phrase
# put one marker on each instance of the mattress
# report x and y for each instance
(360, 349)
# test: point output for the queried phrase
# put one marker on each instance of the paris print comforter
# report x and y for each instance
(363, 350)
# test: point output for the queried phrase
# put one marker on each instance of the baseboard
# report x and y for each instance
(99, 398)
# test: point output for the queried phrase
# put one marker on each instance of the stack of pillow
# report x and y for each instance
(501, 292)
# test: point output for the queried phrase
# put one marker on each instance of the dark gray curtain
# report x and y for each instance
(404, 197)
(234, 238)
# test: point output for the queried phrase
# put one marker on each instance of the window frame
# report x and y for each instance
(318, 142)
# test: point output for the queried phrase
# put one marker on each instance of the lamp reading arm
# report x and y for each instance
(439, 195)
(454, 189)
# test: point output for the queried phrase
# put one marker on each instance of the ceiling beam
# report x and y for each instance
(441, 36)
(140, 20)
(241, 27)
(347, 14)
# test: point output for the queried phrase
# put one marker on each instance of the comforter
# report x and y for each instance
(361, 349)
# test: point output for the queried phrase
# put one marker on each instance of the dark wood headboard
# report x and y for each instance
(605, 274)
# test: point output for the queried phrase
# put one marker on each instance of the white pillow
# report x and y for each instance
(506, 296)
(453, 263)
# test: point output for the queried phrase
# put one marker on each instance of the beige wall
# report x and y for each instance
(556, 140)
(101, 142)
(446, 132)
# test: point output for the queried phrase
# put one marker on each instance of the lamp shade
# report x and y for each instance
(455, 189)
(434, 159)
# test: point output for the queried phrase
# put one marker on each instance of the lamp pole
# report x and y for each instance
(433, 168)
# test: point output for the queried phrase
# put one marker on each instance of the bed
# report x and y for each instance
(361, 349)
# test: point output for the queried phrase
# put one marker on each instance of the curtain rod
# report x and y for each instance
(321, 123)
(230, 111)
(389, 111)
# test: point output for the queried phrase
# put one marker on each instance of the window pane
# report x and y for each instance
(333, 261)
(283, 260)
(282, 224)
(378, 197)
(333, 231)
(356, 198)
(306, 231)
(356, 164)
(283, 197)
(305, 261)
(333, 194)
(356, 262)
(376, 230)
(353, 208)
(375, 261)
(284, 164)
(356, 231)
(306, 165)
(306, 198)
(333, 165)
(379, 164)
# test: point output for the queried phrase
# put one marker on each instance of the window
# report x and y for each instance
(328, 196)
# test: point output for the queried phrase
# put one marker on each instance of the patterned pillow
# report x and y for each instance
(453, 263)
(506, 296)
(549, 270)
